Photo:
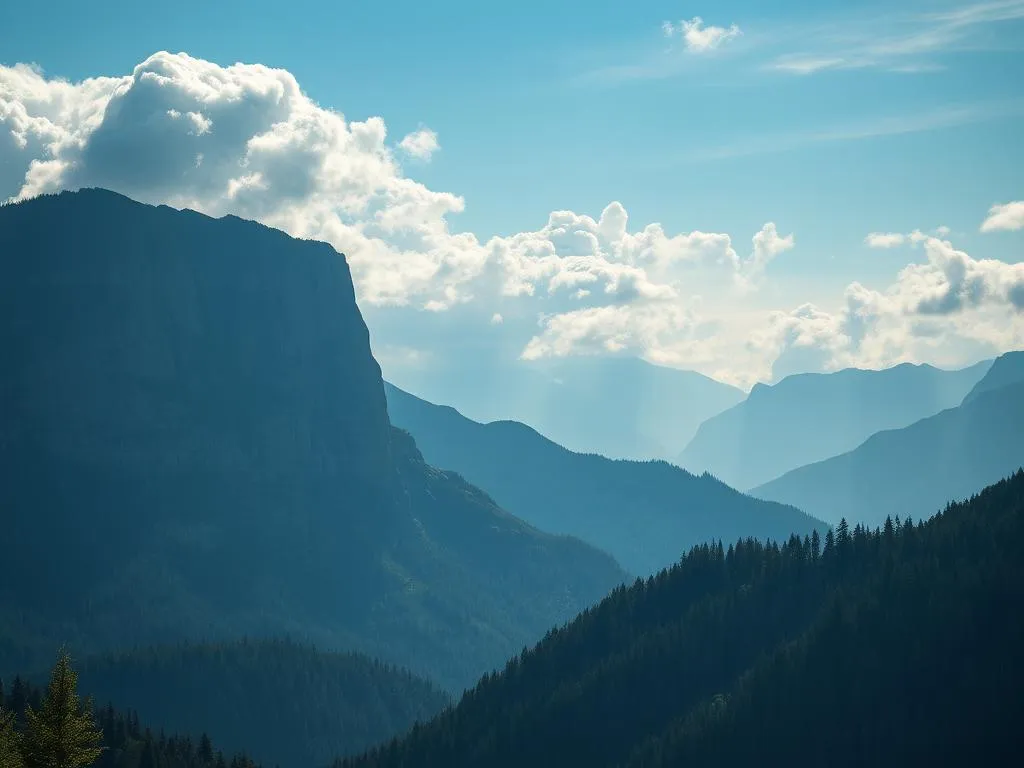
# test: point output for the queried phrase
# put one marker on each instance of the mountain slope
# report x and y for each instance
(917, 469)
(810, 417)
(281, 703)
(899, 647)
(646, 411)
(645, 514)
(1006, 370)
(191, 418)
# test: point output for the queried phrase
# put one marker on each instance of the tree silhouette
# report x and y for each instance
(63, 733)
(10, 742)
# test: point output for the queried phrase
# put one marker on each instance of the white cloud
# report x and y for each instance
(1007, 217)
(497, 319)
(421, 144)
(884, 239)
(245, 139)
(932, 312)
(698, 38)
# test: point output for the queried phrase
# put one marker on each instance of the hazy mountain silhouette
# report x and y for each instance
(194, 442)
(809, 417)
(280, 702)
(1007, 369)
(918, 469)
(899, 647)
(644, 513)
(620, 407)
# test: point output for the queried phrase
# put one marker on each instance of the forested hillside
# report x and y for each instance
(893, 647)
(646, 514)
(282, 703)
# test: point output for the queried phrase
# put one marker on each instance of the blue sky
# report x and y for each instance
(829, 121)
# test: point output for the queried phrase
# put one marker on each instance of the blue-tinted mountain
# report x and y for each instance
(897, 647)
(809, 417)
(920, 468)
(620, 407)
(1006, 370)
(194, 443)
(646, 514)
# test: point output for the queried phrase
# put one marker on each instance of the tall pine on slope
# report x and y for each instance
(63, 733)
(10, 742)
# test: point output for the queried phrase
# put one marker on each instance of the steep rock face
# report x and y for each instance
(165, 376)
(194, 442)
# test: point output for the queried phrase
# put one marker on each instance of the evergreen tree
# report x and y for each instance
(10, 743)
(63, 733)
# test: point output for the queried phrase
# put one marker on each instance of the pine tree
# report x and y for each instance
(63, 733)
(10, 743)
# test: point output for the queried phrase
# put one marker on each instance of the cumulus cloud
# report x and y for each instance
(1006, 217)
(884, 239)
(245, 139)
(698, 38)
(941, 306)
(421, 144)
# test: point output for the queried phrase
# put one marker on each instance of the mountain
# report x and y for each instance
(194, 444)
(917, 469)
(280, 702)
(646, 514)
(620, 407)
(1006, 370)
(892, 648)
(812, 416)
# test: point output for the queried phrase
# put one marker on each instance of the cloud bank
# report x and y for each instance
(245, 139)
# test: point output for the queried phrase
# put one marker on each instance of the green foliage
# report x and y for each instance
(62, 733)
(889, 648)
(10, 742)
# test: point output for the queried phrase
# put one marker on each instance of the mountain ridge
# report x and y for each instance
(646, 514)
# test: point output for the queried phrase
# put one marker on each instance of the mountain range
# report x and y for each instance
(619, 407)
(194, 443)
(646, 514)
(808, 417)
(922, 467)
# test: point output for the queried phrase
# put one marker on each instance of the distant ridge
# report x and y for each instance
(646, 514)
(919, 468)
(810, 417)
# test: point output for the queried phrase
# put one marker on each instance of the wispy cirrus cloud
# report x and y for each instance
(908, 43)
(874, 127)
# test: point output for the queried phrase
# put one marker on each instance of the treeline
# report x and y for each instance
(282, 702)
(889, 647)
(54, 728)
